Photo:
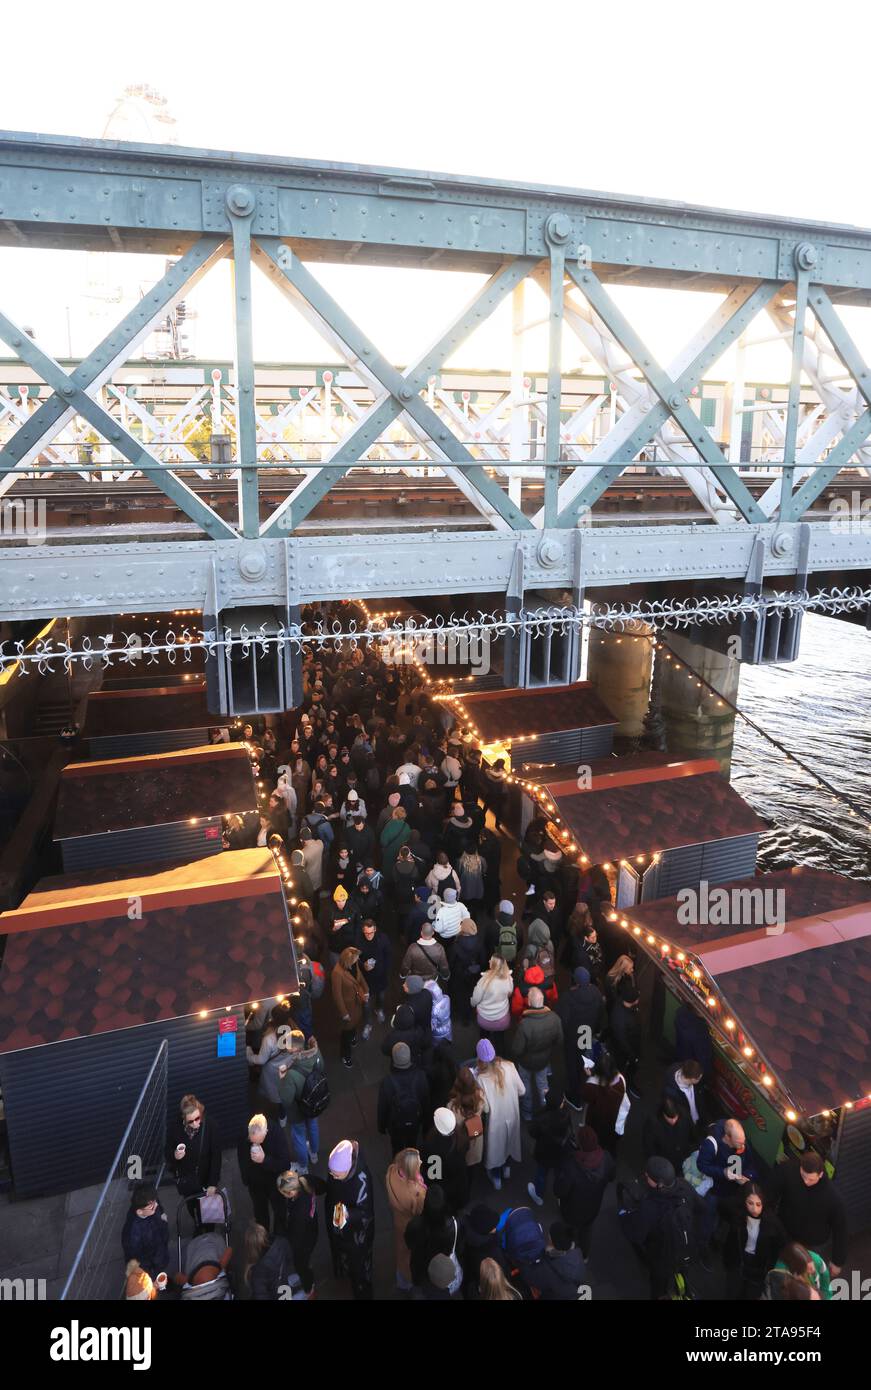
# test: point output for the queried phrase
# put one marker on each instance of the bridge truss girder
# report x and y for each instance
(280, 215)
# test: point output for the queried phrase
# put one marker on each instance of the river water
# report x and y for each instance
(820, 708)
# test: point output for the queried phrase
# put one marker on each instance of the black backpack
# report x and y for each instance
(315, 1095)
(405, 1109)
(679, 1244)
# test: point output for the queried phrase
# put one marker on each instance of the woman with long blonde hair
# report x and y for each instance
(297, 1195)
(491, 999)
(406, 1192)
(502, 1088)
(493, 1284)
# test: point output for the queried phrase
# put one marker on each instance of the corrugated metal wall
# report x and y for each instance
(564, 746)
(715, 862)
(853, 1167)
(178, 840)
(157, 741)
(68, 1104)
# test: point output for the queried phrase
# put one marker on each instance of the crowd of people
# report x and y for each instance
(405, 925)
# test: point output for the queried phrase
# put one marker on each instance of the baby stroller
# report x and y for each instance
(203, 1263)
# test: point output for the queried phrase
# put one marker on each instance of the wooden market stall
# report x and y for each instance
(551, 724)
(158, 806)
(123, 723)
(779, 966)
(98, 970)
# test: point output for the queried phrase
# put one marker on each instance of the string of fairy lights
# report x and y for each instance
(736, 1043)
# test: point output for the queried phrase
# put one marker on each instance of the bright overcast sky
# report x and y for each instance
(746, 105)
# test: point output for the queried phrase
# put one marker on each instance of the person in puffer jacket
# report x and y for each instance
(531, 977)
(441, 1012)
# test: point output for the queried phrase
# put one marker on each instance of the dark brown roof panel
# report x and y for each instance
(515, 714)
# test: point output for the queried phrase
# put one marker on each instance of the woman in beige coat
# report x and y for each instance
(406, 1191)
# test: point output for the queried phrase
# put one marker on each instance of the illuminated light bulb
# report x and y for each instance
(624, 922)
(730, 1024)
(711, 1001)
(584, 859)
(624, 862)
(612, 917)
(204, 1013)
(665, 948)
(636, 931)
(639, 859)
(767, 1080)
(606, 866)
(826, 1113)
(697, 974)
(791, 1115)
(748, 1051)
(650, 940)
(848, 1105)
(681, 956)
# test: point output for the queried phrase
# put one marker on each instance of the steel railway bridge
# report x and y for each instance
(254, 528)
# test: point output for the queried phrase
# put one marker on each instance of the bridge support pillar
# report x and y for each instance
(619, 666)
(698, 724)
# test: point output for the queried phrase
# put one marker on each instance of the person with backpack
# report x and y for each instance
(666, 1228)
(403, 1100)
(305, 1094)
(468, 962)
(425, 957)
(490, 999)
(530, 1264)
(319, 825)
(539, 950)
(580, 1184)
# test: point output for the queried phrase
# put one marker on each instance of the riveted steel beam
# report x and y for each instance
(148, 577)
(241, 204)
(82, 404)
(59, 190)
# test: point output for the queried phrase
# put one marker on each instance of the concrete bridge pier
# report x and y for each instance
(698, 723)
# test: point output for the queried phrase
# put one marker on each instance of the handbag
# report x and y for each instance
(474, 1126)
(212, 1210)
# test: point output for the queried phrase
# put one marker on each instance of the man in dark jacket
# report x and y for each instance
(404, 1029)
(567, 1266)
(666, 1227)
(669, 1134)
(547, 909)
(350, 1212)
(582, 1011)
(419, 1000)
(403, 1099)
(262, 1156)
(811, 1208)
(193, 1150)
(539, 1032)
(580, 1184)
(625, 1031)
(683, 1084)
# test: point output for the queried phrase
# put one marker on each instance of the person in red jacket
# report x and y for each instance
(530, 977)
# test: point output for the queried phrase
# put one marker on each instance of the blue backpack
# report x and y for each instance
(520, 1235)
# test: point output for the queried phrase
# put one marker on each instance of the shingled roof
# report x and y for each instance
(616, 819)
(211, 934)
(803, 995)
(154, 789)
(517, 714)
